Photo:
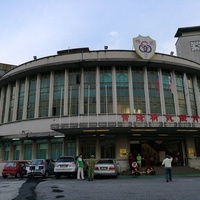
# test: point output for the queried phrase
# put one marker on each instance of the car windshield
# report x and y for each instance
(10, 164)
(105, 162)
(36, 162)
(65, 159)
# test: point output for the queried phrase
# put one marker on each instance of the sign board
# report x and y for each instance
(145, 47)
(123, 152)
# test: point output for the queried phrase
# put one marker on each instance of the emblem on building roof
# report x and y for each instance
(145, 47)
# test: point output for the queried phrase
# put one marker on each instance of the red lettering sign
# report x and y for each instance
(125, 117)
(139, 117)
(154, 117)
(182, 118)
(195, 118)
(169, 118)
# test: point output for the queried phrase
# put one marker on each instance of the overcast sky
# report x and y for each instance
(42, 27)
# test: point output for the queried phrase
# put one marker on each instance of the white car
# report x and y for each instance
(107, 167)
(67, 165)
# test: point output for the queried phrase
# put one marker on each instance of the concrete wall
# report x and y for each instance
(1, 167)
(194, 162)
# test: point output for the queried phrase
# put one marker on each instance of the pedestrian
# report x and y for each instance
(167, 163)
(139, 162)
(91, 165)
(130, 160)
(80, 167)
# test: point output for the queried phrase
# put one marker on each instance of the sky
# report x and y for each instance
(42, 27)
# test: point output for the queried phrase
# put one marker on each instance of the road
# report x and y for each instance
(148, 188)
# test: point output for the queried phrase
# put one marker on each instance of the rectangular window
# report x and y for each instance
(89, 91)
(20, 99)
(88, 148)
(107, 148)
(41, 151)
(168, 92)
(58, 93)
(106, 97)
(27, 151)
(180, 85)
(70, 148)
(154, 90)
(11, 102)
(44, 95)
(56, 150)
(74, 91)
(16, 152)
(6, 152)
(138, 90)
(122, 84)
(31, 97)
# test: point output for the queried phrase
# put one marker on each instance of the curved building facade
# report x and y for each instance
(106, 103)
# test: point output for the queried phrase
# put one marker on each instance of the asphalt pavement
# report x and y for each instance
(125, 187)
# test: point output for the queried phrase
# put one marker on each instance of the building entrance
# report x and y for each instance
(154, 151)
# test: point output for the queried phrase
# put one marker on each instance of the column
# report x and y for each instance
(7, 103)
(34, 149)
(131, 98)
(187, 96)
(77, 145)
(196, 93)
(21, 156)
(2, 104)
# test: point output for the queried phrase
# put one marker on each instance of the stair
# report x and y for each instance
(177, 170)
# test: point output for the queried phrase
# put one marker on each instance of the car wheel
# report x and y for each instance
(46, 175)
(57, 176)
(17, 175)
(5, 176)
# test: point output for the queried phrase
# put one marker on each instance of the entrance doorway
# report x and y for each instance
(154, 151)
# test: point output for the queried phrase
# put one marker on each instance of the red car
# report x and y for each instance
(15, 168)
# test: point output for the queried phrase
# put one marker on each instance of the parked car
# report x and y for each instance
(41, 167)
(15, 168)
(67, 165)
(107, 167)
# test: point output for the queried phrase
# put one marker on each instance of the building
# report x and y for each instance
(105, 103)
(4, 68)
(188, 43)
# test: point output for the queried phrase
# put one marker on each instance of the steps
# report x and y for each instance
(177, 170)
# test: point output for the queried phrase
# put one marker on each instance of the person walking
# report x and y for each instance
(91, 165)
(139, 162)
(80, 167)
(167, 163)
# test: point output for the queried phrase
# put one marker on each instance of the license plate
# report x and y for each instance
(36, 167)
(103, 168)
(63, 165)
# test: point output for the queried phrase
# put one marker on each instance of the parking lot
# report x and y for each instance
(125, 187)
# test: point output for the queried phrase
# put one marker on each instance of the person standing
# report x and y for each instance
(167, 163)
(91, 165)
(130, 160)
(139, 161)
(80, 167)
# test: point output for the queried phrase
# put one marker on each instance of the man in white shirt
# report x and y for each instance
(167, 162)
